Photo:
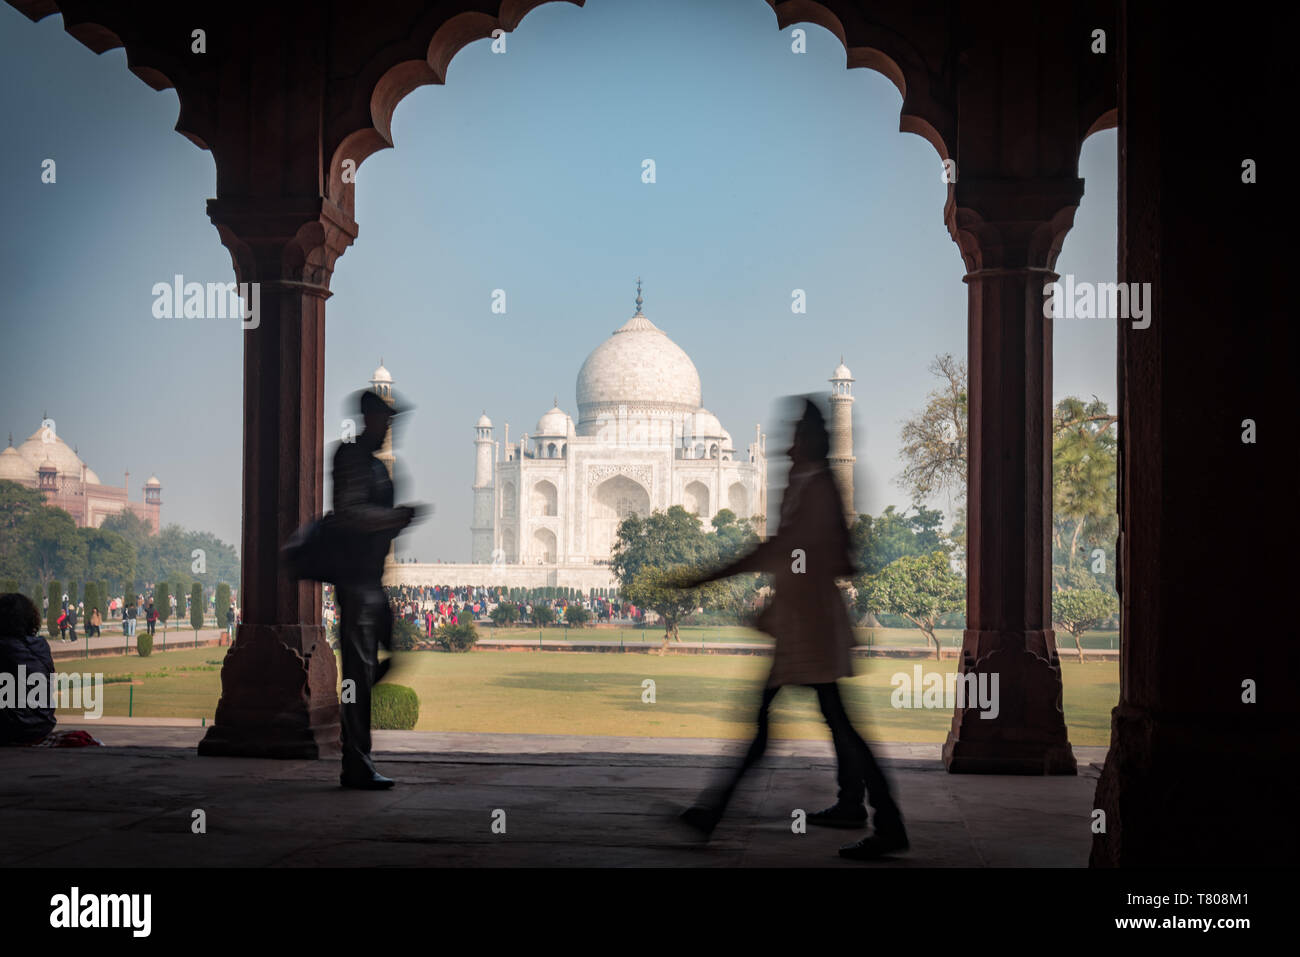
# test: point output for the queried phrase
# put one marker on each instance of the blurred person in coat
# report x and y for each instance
(813, 635)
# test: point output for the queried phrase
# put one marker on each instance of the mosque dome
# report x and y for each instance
(14, 467)
(381, 374)
(91, 478)
(483, 422)
(841, 371)
(637, 366)
(153, 482)
(554, 422)
(36, 451)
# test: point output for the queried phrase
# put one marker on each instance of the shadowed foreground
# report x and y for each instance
(565, 804)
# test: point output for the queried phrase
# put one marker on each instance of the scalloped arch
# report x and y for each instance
(99, 38)
(393, 75)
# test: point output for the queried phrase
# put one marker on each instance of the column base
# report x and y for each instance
(1028, 735)
(1198, 790)
(276, 702)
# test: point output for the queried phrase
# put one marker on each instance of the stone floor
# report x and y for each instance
(566, 802)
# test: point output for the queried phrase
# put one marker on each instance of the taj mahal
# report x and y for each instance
(547, 506)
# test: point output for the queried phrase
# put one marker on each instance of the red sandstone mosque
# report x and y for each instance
(47, 463)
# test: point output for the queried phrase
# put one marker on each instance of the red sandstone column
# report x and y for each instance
(278, 681)
(1204, 746)
(1010, 232)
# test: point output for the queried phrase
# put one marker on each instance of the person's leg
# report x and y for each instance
(858, 768)
(718, 799)
(353, 722)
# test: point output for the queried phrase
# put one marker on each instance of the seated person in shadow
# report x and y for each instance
(808, 618)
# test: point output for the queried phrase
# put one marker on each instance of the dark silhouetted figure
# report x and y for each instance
(808, 618)
(22, 647)
(364, 513)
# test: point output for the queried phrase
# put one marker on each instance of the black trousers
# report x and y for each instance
(858, 774)
(365, 623)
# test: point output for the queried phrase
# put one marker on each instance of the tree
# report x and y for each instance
(196, 608)
(877, 542)
(1085, 482)
(934, 440)
(505, 613)
(576, 616)
(645, 559)
(543, 614)
(108, 554)
(1077, 610)
(921, 588)
(130, 526)
(162, 603)
(49, 538)
(734, 537)
(17, 503)
(54, 596)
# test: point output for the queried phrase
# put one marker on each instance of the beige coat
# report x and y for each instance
(807, 615)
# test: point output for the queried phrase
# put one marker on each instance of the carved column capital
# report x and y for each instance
(276, 241)
(1011, 224)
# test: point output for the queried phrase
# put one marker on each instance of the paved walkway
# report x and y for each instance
(567, 801)
(113, 642)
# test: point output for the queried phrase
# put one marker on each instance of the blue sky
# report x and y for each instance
(775, 171)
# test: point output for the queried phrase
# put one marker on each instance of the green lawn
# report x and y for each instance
(593, 694)
(891, 637)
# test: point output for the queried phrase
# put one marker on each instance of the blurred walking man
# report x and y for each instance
(363, 510)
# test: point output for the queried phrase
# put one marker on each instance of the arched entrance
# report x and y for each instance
(613, 500)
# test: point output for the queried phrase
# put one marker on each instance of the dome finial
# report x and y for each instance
(555, 400)
(639, 300)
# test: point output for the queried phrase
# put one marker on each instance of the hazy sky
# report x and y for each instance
(775, 171)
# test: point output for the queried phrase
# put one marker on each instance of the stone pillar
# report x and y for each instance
(1010, 232)
(278, 681)
(1201, 770)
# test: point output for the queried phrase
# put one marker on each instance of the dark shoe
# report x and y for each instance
(876, 845)
(701, 818)
(840, 815)
(374, 782)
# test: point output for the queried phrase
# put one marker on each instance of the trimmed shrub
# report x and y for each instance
(222, 605)
(54, 595)
(459, 637)
(162, 602)
(90, 601)
(406, 635)
(506, 613)
(576, 615)
(543, 615)
(143, 644)
(196, 607)
(394, 707)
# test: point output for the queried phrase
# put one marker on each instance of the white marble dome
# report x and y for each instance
(841, 371)
(483, 422)
(554, 422)
(703, 424)
(153, 482)
(14, 467)
(381, 374)
(637, 366)
(36, 451)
